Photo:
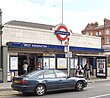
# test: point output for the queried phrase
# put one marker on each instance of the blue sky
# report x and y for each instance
(77, 13)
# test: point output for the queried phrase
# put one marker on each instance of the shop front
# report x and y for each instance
(51, 55)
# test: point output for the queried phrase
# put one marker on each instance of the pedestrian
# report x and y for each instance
(79, 71)
(38, 67)
(25, 67)
(45, 66)
(87, 68)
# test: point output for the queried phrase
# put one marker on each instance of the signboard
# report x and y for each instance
(62, 32)
(101, 67)
(52, 63)
(68, 55)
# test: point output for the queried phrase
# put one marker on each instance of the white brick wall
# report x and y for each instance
(85, 41)
(35, 35)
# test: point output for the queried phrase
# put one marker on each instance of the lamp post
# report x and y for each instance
(62, 11)
(66, 48)
(68, 60)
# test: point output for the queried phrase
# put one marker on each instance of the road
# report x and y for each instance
(94, 90)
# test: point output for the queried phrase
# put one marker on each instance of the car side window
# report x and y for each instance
(40, 76)
(49, 74)
(60, 74)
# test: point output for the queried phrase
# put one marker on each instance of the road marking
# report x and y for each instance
(100, 96)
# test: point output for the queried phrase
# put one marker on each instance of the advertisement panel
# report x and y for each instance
(61, 63)
(13, 63)
(101, 67)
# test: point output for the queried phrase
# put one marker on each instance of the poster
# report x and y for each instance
(72, 63)
(13, 63)
(52, 63)
(101, 70)
(61, 63)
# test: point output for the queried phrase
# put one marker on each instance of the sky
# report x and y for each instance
(76, 13)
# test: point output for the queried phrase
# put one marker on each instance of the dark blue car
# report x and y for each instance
(42, 81)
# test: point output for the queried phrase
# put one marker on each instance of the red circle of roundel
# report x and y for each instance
(59, 35)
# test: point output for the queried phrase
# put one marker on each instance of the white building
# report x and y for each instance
(33, 43)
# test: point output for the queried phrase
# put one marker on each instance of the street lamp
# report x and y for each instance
(62, 11)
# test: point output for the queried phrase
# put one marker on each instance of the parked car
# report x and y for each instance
(42, 81)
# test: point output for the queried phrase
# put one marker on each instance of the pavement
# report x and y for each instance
(7, 86)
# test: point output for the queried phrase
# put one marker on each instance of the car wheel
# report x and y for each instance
(40, 90)
(79, 86)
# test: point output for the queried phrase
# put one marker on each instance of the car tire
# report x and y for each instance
(40, 90)
(79, 86)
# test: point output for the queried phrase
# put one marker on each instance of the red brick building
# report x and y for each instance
(102, 31)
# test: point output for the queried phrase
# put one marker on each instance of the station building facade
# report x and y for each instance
(34, 43)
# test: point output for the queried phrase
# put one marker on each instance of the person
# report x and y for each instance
(38, 67)
(25, 67)
(87, 68)
(79, 72)
(45, 66)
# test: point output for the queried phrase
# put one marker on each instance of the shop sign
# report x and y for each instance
(62, 35)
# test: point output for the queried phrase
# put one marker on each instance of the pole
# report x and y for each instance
(68, 66)
(68, 60)
(0, 38)
(62, 11)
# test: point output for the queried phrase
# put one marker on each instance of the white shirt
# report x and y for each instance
(25, 66)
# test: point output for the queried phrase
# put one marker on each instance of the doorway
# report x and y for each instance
(31, 60)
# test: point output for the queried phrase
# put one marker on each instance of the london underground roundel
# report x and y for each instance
(60, 36)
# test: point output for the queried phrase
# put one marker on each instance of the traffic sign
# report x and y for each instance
(68, 55)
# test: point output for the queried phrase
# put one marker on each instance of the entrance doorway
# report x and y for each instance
(31, 60)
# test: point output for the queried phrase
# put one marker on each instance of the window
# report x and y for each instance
(100, 33)
(107, 32)
(40, 76)
(97, 33)
(60, 74)
(49, 74)
(107, 40)
(90, 33)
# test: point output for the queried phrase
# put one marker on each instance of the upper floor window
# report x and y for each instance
(107, 31)
(98, 33)
(90, 33)
(107, 40)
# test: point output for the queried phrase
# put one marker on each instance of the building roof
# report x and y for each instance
(30, 24)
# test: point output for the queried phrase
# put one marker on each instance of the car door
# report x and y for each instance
(50, 80)
(64, 82)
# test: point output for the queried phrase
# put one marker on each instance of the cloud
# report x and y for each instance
(49, 12)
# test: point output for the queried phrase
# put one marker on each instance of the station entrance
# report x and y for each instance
(31, 59)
